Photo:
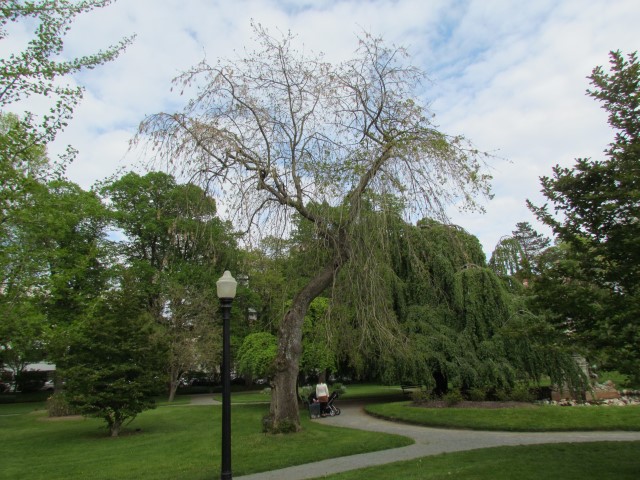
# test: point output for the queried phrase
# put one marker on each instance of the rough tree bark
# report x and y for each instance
(284, 403)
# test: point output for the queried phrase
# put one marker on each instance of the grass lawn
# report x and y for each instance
(176, 442)
(568, 461)
(356, 391)
(372, 391)
(530, 419)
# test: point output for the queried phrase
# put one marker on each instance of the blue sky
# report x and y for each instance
(509, 75)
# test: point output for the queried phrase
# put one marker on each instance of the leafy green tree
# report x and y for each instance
(21, 334)
(257, 354)
(318, 355)
(52, 250)
(37, 70)
(508, 257)
(113, 367)
(53, 261)
(280, 131)
(21, 184)
(66, 238)
(176, 246)
(516, 256)
(461, 322)
(599, 207)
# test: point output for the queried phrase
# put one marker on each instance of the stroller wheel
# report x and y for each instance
(337, 412)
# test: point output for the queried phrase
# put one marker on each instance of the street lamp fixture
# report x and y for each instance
(226, 289)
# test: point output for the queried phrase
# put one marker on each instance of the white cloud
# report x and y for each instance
(511, 76)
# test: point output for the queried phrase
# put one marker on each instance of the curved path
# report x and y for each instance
(428, 441)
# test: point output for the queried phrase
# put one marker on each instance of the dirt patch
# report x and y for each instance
(470, 404)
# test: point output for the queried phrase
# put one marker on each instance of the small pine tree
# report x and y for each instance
(114, 362)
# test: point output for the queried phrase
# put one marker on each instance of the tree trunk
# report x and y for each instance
(284, 395)
(115, 422)
(442, 383)
(174, 376)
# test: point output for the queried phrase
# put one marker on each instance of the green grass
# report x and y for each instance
(358, 391)
(372, 391)
(530, 419)
(252, 396)
(600, 460)
(619, 379)
(166, 443)
(178, 442)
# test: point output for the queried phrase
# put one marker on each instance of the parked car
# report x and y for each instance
(48, 386)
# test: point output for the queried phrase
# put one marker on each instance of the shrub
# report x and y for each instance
(477, 394)
(421, 396)
(340, 388)
(521, 393)
(57, 406)
(306, 391)
(502, 395)
(453, 398)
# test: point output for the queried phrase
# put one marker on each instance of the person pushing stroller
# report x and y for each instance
(322, 394)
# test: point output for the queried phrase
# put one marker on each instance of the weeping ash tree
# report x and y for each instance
(462, 325)
(282, 131)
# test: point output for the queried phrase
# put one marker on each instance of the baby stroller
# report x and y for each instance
(329, 410)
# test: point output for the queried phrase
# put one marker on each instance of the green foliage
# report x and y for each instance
(317, 354)
(114, 362)
(463, 327)
(53, 259)
(532, 244)
(477, 394)
(420, 396)
(37, 70)
(598, 201)
(452, 398)
(257, 354)
(176, 246)
(57, 406)
(521, 393)
(339, 388)
(507, 257)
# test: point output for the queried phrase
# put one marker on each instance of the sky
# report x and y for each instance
(508, 75)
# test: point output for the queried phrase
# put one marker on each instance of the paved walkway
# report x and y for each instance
(428, 441)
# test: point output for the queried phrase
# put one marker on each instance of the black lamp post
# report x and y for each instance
(226, 287)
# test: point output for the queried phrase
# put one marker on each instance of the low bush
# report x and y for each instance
(57, 406)
(421, 396)
(452, 398)
(477, 394)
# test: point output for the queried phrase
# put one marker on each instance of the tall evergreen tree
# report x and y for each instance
(600, 205)
(113, 366)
